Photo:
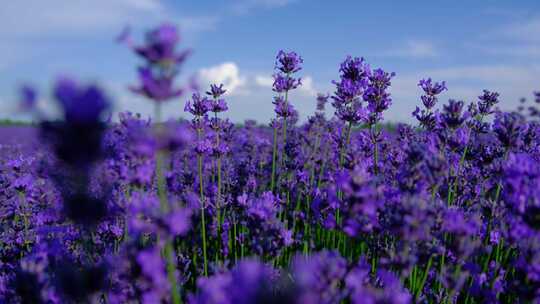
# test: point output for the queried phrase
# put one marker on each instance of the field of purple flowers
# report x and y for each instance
(338, 209)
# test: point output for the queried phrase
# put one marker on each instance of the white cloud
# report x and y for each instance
(125, 100)
(5, 106)
(9, 107)
(60, 17)
(270, 3)
(198, 23)
(30, 29)
(519, 40)
(227, 74)
(501, 12)
(37, 18)
(520, 49)
(414, 49)
(264, 81)
(525, 30)
(144, 4)
(307, 86)
(466, 83)
(514, 79)
(245, 6)
(494, 74)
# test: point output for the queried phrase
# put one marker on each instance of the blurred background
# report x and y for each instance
(473, 45)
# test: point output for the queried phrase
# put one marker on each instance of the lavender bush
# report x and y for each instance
(339, 209)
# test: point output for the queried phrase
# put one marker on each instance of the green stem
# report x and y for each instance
(203, 224)
(235, 248)
(347, 142)
(285, 122)
(161, 184)
(157, 113)
(375, 148)
(284, 129)
(201, 196)
(451, 191)
(424, 278)
(164, 205)
(175, 293)
(340, 194)
(499, 185)
(218, 199)
(274, 156)
(26, 224)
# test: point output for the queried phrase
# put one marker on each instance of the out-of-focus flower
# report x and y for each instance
(385, 287)
(80, 104)
(27, 98)
(162, 63)
(158, 88)
(322, 100)
(318, 278)
(160, 46)
(248, 282)
(453, 115)
(77, 139)
(509, 128)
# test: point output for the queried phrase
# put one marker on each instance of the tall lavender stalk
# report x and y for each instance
(218, 105)
(199, 106)
(354, 73)
(449, 212)
(427, 117)
(378, 100)
(161, 65)
(286, 65)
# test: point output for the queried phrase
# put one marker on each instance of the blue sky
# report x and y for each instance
(473, 45)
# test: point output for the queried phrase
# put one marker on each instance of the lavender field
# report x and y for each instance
(344, 207)
(20, 138)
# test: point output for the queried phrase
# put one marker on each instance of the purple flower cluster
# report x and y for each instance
(354, 79)
(339, 209)
(426, 117)
(162, 62)
(287, 64)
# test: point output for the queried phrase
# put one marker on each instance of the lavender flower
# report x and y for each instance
(160, 46)
(319, 277)
(216, 91)
(198, 105)
(288, 62)
(284, 83)
(162, 63)
(432, 89)
(327, 211)
(453, 115)
(487, 101)
(509, 129)
(354, 79)
(376, 96)
(322, 100)
(158, 88)
(28, 98)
